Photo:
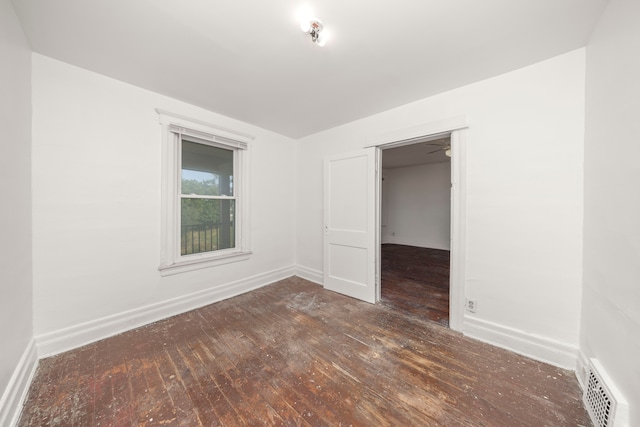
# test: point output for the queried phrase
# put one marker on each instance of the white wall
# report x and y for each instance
(524, 195)
(16, 328)
(416, 205)
(96, 207)
(611, 305)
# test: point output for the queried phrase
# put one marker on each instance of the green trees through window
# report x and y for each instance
(207, 210)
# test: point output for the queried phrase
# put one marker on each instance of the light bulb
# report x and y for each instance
(322, 39)
(447, 152)
(304, 17)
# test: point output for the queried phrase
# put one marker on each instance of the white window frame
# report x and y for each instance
(174, 128)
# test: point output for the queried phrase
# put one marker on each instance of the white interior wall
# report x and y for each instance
(96, 177)
(96, 206)
(524, 195)
(416, 205)
(610, 328)
(16, 328)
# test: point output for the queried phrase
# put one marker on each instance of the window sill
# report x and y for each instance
(198, 264)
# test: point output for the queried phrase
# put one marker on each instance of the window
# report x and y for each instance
(205, 203)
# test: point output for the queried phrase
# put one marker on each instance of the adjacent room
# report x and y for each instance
(415, 228)
(228, 213)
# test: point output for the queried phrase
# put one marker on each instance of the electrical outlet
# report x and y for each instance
(471, 305)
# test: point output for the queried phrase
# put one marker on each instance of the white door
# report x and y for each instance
(350, 224)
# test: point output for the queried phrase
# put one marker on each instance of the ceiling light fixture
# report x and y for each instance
(314, 27)
(445, 148)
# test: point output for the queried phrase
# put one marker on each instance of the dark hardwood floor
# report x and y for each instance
(294, 354)
(416, 280)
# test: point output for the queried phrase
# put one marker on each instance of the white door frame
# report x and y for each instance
(457, 128)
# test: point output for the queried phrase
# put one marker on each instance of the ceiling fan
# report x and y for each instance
(446, 148)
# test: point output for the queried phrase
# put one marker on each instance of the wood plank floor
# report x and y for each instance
(416, 280)
(294, 354)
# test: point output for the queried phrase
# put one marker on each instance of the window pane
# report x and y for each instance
(207, 225)
(206, 170)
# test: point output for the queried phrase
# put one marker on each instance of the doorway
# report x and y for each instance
(415, 233)
(352, 210)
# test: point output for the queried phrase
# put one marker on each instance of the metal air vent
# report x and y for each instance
(601, 403)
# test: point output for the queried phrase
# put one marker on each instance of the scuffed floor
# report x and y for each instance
(294, 354)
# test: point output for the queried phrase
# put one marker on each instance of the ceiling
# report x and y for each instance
(248, 59)
(419, 153)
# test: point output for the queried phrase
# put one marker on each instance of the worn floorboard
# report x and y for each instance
(416, 280)
(293, 354)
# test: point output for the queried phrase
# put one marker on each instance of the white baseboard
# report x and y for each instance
(582, 367)
(309, 274)
(536, 347)
(16, 391)
(76, 336)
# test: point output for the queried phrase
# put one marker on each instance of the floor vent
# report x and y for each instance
(603, 404)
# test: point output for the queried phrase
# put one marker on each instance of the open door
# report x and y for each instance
(350, 224)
